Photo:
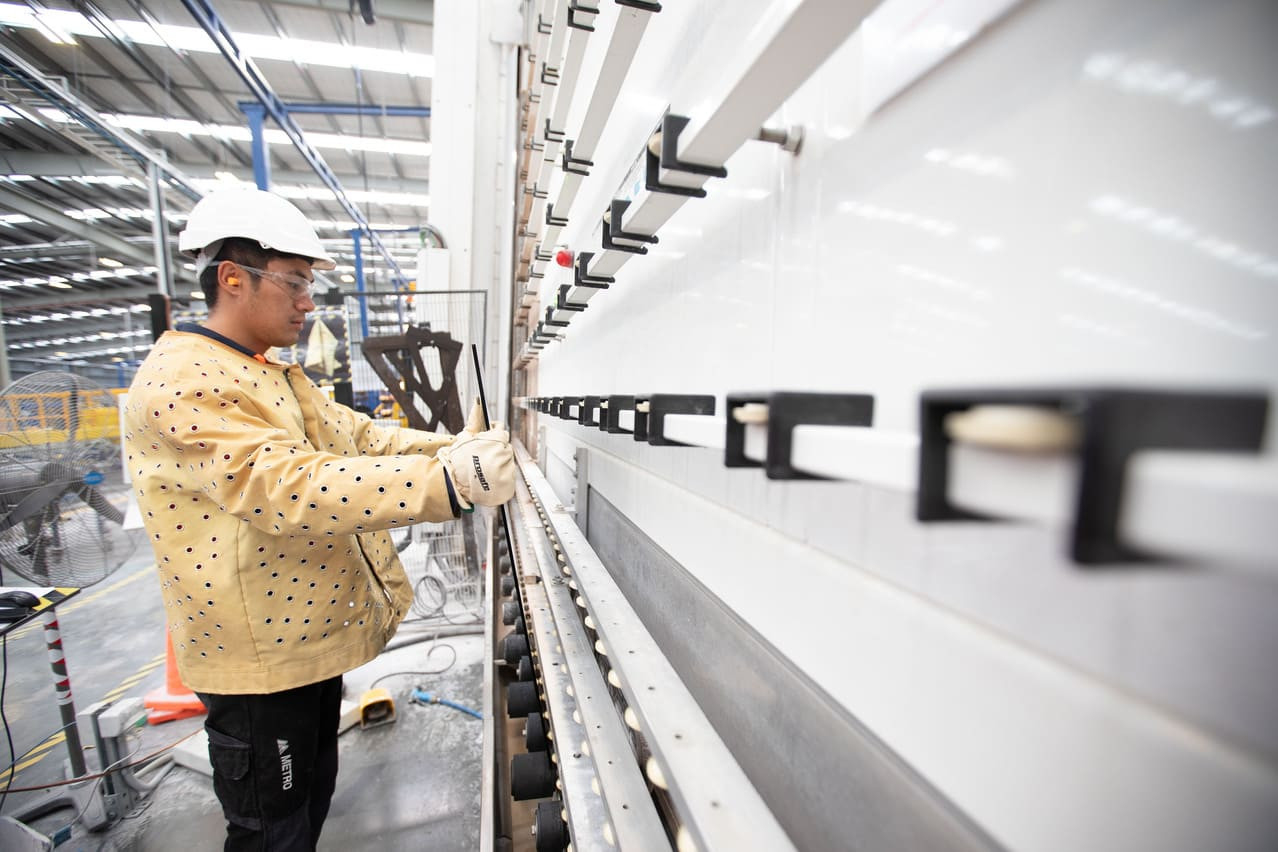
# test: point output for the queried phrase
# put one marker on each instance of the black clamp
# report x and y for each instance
(534, 145)
(565, 407)
(551, 321)
(532, 273)
(670, 128)
(573, 8)
(551, 134)
(543, 256)
(645, 5)
(1115, 423)
(582, 278)
(562, 303)
(575, 165)
(549, 76)
(543, 26)
(661, 404)
(787, 409)
(641, 418)
(586, 414)
(534, 191)
(612, 230)
(612, 422)
(551, 220)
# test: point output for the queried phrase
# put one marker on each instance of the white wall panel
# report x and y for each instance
(1084, 193)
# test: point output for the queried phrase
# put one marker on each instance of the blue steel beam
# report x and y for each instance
(347, 109)
(244, 65)
(256, 114)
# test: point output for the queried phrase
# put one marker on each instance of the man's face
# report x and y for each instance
(274, 309)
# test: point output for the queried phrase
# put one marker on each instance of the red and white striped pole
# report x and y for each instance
(62, 688)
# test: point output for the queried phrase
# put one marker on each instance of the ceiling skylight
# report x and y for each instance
(60, 26)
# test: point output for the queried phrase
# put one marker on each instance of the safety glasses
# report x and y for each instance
(297, 286)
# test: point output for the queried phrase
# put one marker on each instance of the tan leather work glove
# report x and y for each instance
(481, 463)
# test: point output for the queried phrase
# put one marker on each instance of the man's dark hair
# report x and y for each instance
(247, 252)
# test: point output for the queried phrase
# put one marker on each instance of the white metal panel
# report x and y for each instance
(1082, 193)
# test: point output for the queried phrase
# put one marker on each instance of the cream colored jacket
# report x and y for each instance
(267, 506)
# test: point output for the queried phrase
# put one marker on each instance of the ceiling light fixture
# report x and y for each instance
(110, 261)
(62, 23)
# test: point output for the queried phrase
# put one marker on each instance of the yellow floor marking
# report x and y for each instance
(84, 600)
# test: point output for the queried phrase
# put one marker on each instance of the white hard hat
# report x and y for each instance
(252, 214)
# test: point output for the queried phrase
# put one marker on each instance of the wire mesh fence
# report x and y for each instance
(442, 566)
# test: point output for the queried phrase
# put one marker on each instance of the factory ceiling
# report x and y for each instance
(97, 96)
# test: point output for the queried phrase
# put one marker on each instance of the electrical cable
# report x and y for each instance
(34, 747)
(97, 782)
(97, 775)
(451, 663)
(8, 734)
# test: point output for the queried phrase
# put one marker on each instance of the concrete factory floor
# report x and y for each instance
(413, 784)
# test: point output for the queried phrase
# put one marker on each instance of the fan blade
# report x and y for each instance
(33, 503)
(100, 504)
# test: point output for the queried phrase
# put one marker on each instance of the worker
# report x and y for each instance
(268, 507)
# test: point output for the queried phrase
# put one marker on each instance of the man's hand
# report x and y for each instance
(482, 465)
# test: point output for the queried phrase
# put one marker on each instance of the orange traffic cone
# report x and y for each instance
(173, 700)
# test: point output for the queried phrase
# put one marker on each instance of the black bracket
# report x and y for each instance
(575, 165)
(543, 256)
(661, 404)
(562, 303)
(612, 230)
(534, 274)
(787, 409)
(543, 26)
(612, 423)
(671, 126)
(549, 76)
(565, 407)
(641, 420)
(550, 217)
(534, 145)
(645, 5)
(573, 8)
(553, 135)
(586, 414)
(534, 191)
(582, 278)
(553, 323)
(1116, 423)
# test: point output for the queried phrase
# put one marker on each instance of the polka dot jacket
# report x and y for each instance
(267, 506)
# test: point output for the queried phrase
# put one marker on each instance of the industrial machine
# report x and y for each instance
(892, 383)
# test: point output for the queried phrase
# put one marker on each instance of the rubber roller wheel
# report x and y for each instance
(548, 825)
(535, 738)
(521, 626)
(507, 585)
(510, 610)
(522, 699)
(532, 776)
(525, 669)
(513, 647)
(503, 564)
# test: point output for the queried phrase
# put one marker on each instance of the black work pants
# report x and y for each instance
(274, 764)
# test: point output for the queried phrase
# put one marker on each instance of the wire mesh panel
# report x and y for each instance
(446, 576)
